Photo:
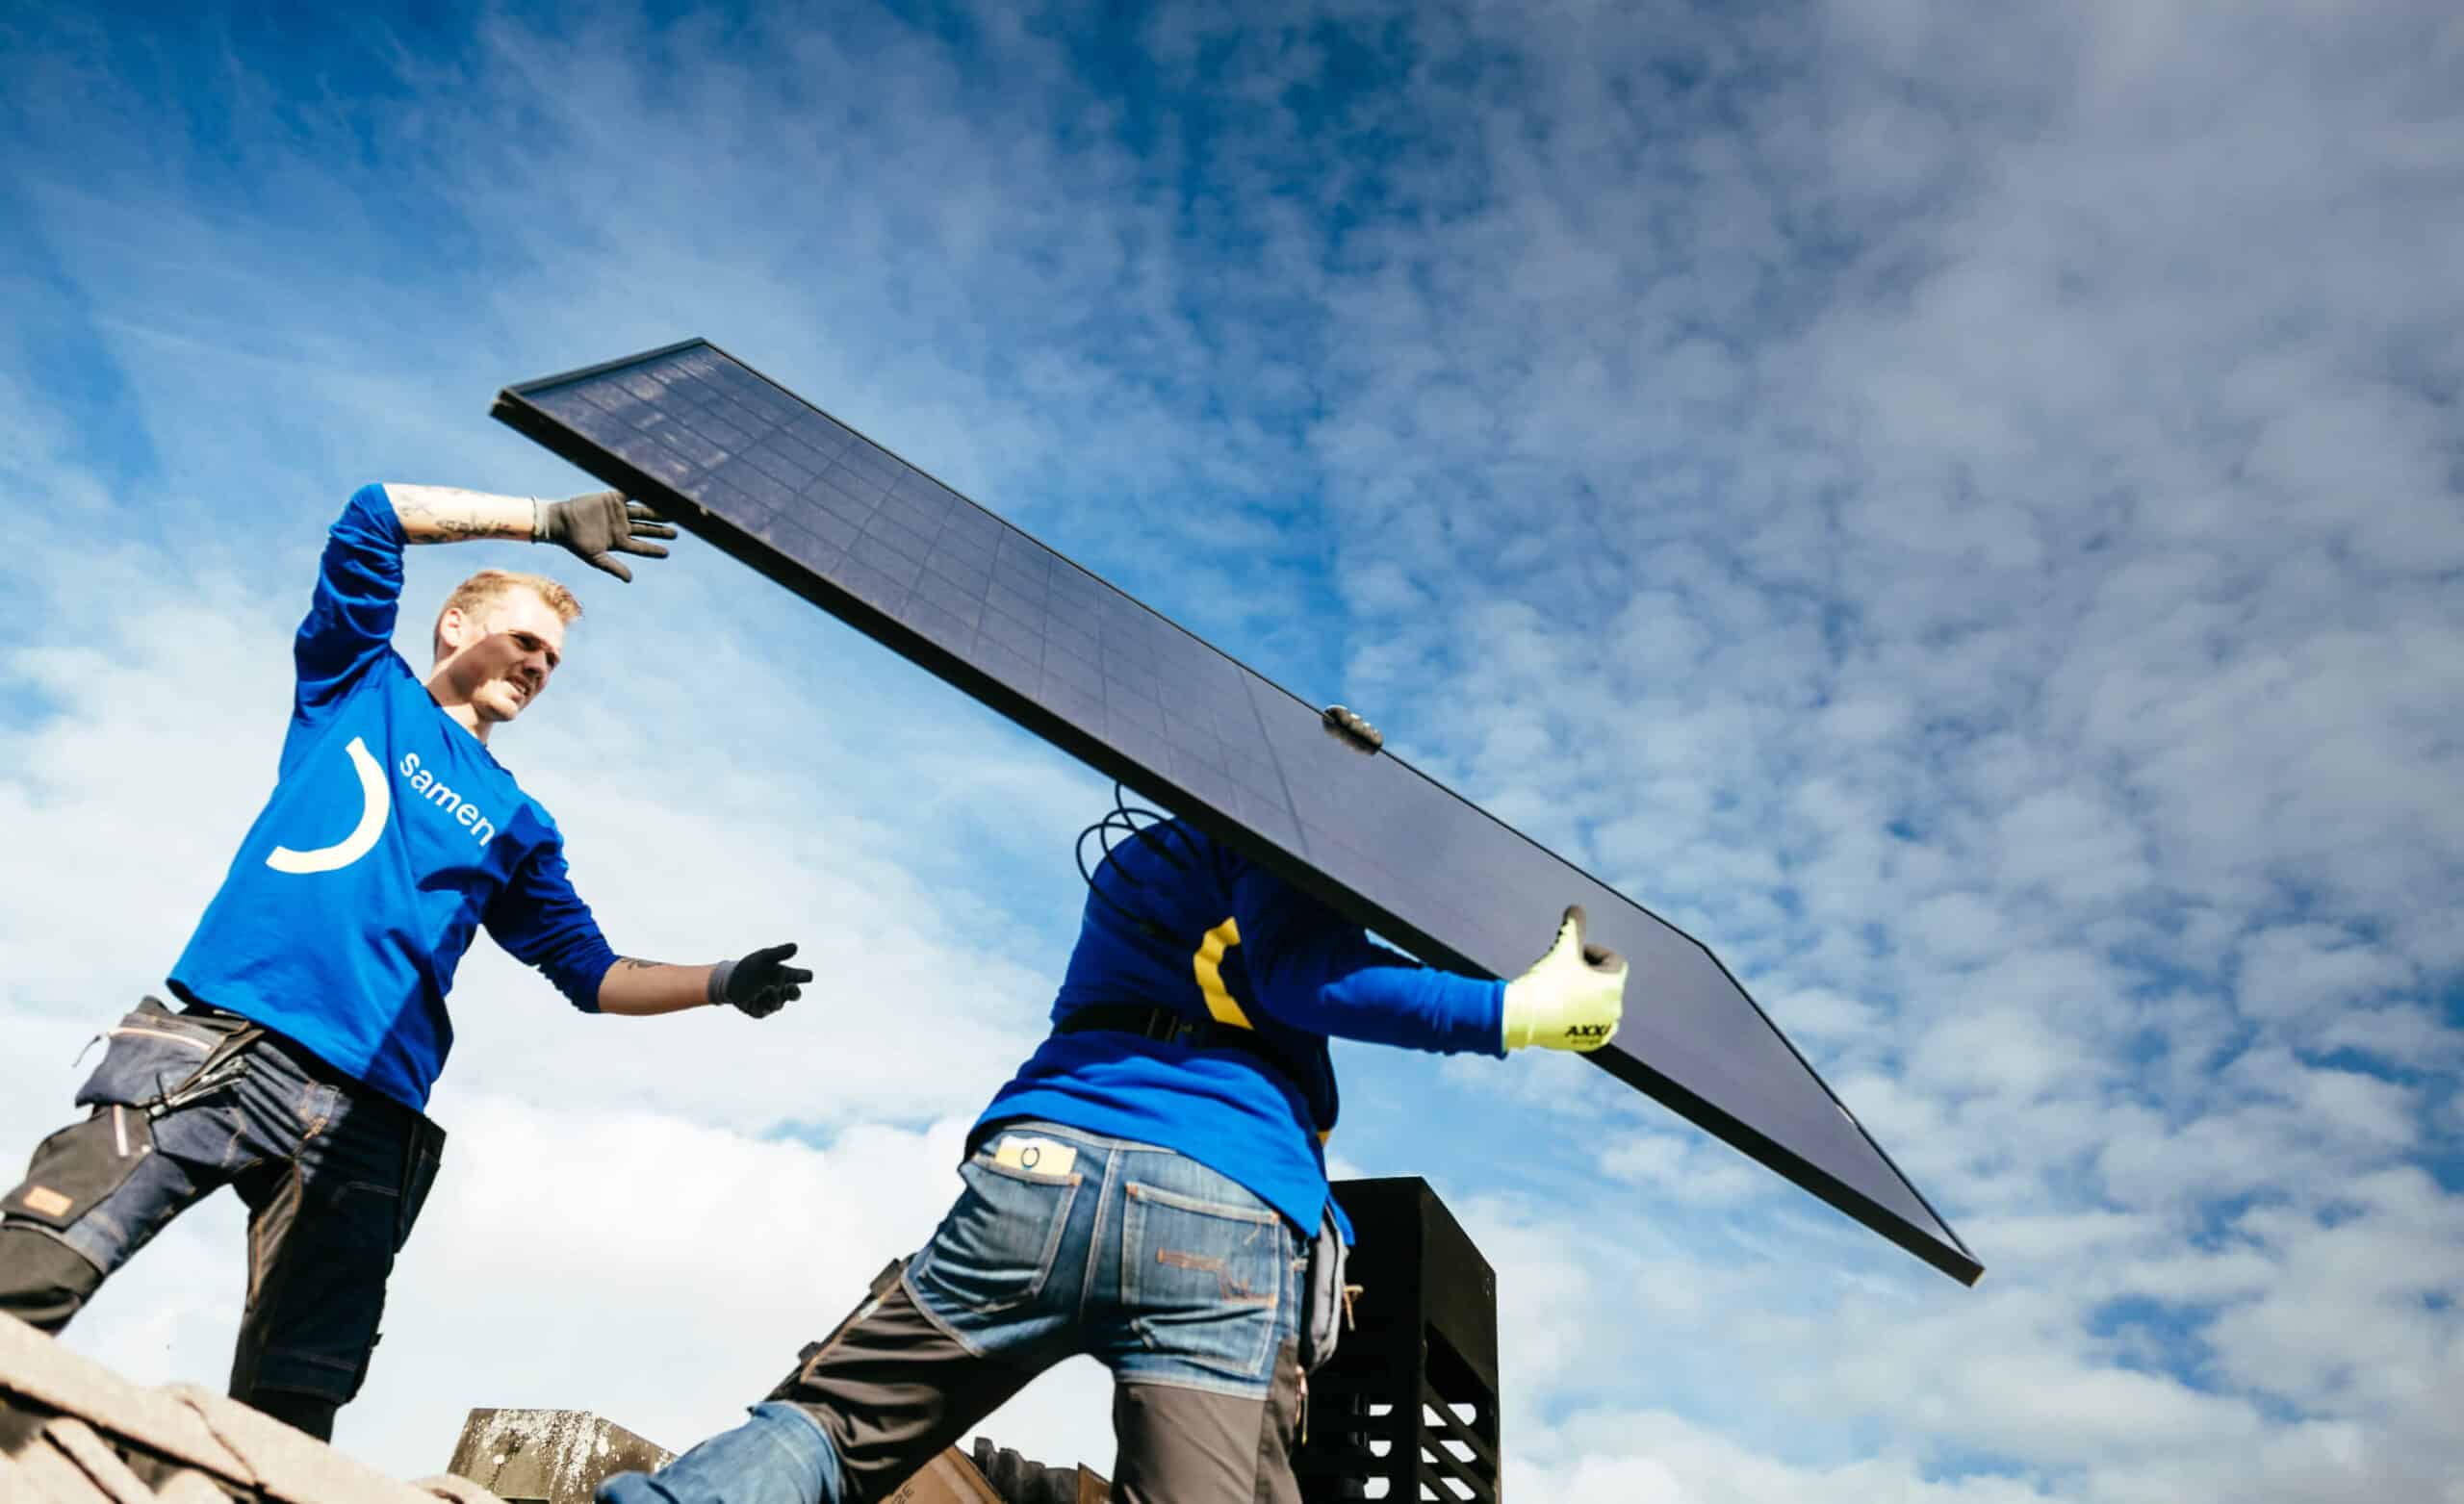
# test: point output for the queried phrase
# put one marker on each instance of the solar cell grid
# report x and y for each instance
(829, 514)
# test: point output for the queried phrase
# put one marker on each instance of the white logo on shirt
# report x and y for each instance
(375, 802)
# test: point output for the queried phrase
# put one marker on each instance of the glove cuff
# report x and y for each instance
(719, 976)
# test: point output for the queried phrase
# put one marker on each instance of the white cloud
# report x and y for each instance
(1956, 509)
(2295, 970)
(1684, 1169)
(1654, 1458)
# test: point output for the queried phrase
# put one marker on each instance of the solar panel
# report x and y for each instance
(817, 507)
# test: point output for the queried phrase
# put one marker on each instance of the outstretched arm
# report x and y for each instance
(449, 514)
(542, 921)
(637, 988)
(593, 527)
(1319, 972)
(1313, 970)
(760, 984)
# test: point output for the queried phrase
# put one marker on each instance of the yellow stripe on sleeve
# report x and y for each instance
(1208, 964)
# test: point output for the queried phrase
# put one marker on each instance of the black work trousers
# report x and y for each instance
(184, 1102)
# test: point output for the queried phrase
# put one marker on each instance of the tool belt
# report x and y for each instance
(155, 1061)
(1325, 1298)
(1167, 1027)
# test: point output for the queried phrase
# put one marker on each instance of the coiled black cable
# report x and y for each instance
(1122, 820)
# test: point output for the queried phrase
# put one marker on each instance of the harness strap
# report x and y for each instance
(1163, 1025)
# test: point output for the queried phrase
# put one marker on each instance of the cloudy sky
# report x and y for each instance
(1961, 507)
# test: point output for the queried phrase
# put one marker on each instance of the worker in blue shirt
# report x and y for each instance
(1149, 1189)
(310, 1018)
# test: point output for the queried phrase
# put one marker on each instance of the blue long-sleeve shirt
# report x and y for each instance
(391, 836)
(1224, 938)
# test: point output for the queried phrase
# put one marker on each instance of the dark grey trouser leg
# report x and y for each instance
(326, 1216)
(95, 1194)
(891, 1389)
(1191, 1446)
(44, 1282)
(313, 1413)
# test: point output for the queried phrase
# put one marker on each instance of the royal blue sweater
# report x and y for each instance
(391, 834)
(1224, 938)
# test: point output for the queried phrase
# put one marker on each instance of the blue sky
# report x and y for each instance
(1962, 511)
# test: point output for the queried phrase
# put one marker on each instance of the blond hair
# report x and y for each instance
(489, 586)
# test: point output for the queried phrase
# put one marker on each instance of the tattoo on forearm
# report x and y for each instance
(445, 514)
(467, 527)
(638, 965)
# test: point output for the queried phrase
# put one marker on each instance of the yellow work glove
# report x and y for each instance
(1571, 997)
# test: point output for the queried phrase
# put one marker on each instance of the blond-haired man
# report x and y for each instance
(310, 1021)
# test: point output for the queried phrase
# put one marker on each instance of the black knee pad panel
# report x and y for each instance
(44, 1282)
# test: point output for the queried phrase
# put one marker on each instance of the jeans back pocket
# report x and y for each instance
(995, 1249)
(1204, 1278)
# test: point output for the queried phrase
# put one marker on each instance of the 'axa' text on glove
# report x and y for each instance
(1571, 999)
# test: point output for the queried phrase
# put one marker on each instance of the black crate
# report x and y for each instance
(1407, 1409)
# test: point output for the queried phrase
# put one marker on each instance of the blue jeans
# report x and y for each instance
(184, 1102)
(1177, 1278)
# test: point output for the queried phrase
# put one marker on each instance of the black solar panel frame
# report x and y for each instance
(514, 407)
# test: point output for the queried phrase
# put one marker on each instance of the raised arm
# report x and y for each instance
(359, 582)
(449, 514)
(593, 527)
(359, 590)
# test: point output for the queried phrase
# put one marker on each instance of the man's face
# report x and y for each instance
(501, 654)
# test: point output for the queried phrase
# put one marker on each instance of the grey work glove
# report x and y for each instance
(760, 984)
(598, 526)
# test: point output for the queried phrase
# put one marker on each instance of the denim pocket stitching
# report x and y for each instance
(150, 1018)
(200, 1046)
(1226, 1288)
(1140, 1190)
(1137, 1235)
(1068, 1187)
